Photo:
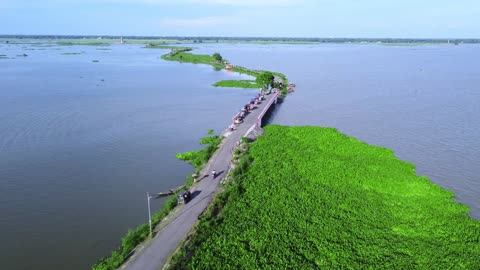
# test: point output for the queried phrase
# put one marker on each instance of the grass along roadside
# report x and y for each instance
(182, 56)
(197, 158)
(348, 205)
(136, 236)
(237, 84)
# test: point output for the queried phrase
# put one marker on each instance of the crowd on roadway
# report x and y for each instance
(247, 108)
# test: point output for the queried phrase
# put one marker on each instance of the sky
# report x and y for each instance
(244, 18)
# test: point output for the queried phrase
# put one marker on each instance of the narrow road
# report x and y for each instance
(169, 238)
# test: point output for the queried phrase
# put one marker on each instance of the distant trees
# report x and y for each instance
(265, 79)
(217, 57)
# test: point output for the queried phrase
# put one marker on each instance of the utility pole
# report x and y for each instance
(149, 215)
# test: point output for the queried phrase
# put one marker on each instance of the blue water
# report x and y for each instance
(81, 142)
(420, 101)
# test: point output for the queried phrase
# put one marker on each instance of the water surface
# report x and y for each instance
(420, 101)
(81, 143)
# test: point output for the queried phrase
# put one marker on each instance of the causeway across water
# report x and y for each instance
(166, 241)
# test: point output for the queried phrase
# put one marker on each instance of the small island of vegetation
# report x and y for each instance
(263, 79)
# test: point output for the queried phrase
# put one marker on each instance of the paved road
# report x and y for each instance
(168, 239)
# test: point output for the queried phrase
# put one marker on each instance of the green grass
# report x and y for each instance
(237, 84)
(313, 198)
(185, 57)
(200, 157)
(140, 233)
(84, 42)
(170, 47)
(181, 55)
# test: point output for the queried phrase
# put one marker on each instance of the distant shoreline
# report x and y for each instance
(106, 39)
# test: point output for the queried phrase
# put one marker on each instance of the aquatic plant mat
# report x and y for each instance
(315, 198)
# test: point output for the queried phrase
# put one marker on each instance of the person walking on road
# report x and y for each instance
(214, 173)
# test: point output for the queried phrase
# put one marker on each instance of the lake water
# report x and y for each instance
(420, 101)
(81, 142)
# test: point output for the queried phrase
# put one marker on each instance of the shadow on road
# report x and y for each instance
(196, 193)
(218, 174)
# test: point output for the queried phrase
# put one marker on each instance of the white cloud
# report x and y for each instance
(205, 21)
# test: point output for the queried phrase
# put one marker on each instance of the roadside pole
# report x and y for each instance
(149, 215)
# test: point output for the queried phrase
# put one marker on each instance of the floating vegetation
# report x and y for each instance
(72, 53)
(88, 42)
(200, 157)
(158, 46)
(313, 198)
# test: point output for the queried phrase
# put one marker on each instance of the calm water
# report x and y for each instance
(81, 142)
(421, 101)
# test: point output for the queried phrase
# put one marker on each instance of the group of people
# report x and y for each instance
(238, 118)
(195, 176)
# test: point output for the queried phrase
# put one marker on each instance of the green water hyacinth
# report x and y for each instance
(313, 198)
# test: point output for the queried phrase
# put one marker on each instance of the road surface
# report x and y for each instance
(154, 256)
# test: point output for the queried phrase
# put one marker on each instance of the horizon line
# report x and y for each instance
(229, 37)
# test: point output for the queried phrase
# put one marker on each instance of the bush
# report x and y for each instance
(200, 157)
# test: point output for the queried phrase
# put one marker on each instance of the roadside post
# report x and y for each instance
(149, 214)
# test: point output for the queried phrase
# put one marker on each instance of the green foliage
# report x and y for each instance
(200, 157)
(236, 84)
(284, 88)
(242, 70)
(210, 132)
(163, 46)
(265, 79)
(316, 199)
(217, 57)
(182, 56)
(84, 43)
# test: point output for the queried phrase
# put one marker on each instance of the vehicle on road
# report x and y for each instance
(184, 197)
